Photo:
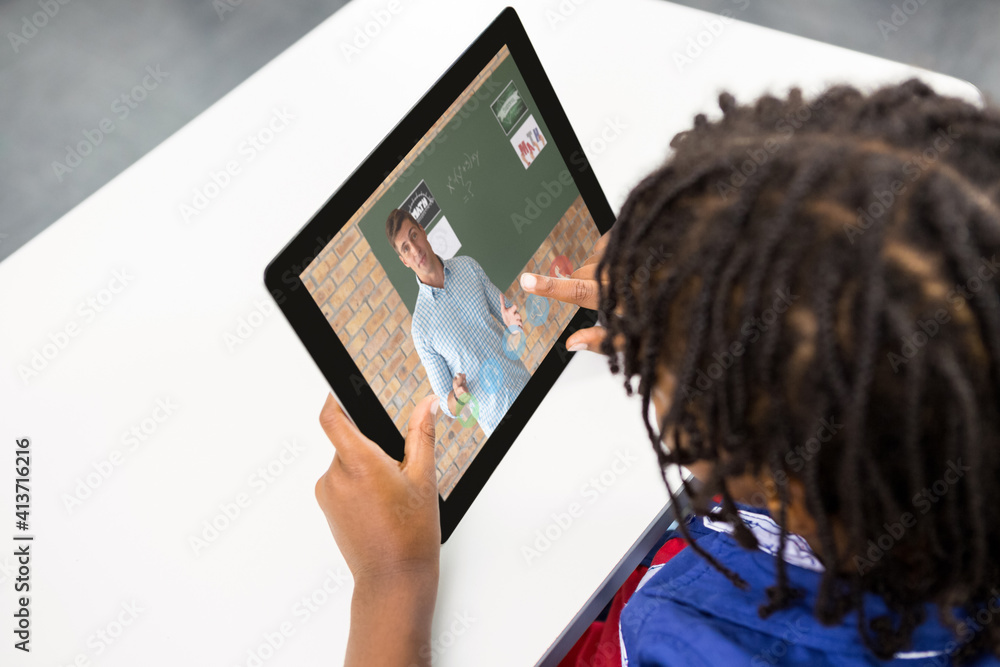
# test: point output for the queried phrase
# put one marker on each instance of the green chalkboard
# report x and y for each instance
(499, 210)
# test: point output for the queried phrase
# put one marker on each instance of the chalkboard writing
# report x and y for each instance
(458, 181)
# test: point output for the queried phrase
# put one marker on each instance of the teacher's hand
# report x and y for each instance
(459, 386)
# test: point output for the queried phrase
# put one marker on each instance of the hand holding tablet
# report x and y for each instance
(406, 283)
(384, 516)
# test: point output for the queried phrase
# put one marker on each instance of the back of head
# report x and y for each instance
(834, 259)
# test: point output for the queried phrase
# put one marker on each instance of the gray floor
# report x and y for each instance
(957, 37)
(68, 75)
(62, 80)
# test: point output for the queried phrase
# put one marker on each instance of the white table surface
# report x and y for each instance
(123, 554)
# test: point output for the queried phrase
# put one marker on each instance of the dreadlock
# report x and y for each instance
(833, 259)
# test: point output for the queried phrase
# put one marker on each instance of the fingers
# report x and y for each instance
(586, 339)
(599, 247)
(511, 317)
(418, 458)
(570, 290)
(585, 272)
(347, 440)
(601, 244)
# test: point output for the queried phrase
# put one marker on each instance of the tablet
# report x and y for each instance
(405, 283)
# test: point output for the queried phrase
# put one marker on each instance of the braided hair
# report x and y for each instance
(833, 263)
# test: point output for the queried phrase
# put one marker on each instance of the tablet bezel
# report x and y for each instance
(281, 276)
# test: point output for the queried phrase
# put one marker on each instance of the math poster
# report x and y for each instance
(528, 141)
(421, 205)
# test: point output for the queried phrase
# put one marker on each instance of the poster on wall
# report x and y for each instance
(509, 107)
(444, 242)
(528, 141)
(421, 205)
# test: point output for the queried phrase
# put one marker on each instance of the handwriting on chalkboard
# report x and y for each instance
(458, 180)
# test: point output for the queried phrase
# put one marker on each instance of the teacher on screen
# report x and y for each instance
(459, 325)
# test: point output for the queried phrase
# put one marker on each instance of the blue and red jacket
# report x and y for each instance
(676, 610)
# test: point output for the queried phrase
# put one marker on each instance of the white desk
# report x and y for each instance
(162, 337)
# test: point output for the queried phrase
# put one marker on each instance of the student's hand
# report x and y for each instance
(384, 516)
(371, 500)
(511, 318)
(579, 289)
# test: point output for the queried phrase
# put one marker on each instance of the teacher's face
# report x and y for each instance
(413, 248)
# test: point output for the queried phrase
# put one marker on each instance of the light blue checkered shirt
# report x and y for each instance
(459, 329)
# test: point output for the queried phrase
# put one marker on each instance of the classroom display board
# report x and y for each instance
(491, 186)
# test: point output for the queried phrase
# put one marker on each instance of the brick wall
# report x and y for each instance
(357, 298)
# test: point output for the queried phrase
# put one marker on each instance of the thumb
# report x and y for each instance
(587, 339)
(418, 456)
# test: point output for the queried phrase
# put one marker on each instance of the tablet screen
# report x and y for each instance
(421, 283)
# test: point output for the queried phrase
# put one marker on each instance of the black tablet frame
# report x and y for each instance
(281, 276)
